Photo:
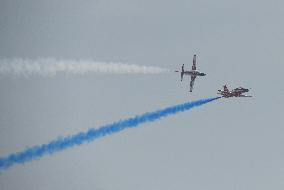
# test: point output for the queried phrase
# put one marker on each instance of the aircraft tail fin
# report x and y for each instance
(226, 88)
(182, 72)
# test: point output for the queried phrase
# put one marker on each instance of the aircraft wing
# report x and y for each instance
(192, 83)
(245, 96)
(194, 63)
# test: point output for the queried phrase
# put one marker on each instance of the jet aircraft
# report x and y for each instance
(237, 92)
(193, 73)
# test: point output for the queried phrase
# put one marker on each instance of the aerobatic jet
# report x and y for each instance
(237, 92)
(193, 73)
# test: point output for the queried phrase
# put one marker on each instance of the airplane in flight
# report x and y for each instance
(193, 73)
(237, 92)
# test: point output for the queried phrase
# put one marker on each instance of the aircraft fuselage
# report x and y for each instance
(241, 90)
(194, 73)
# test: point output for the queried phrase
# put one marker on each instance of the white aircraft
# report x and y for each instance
(193, 73)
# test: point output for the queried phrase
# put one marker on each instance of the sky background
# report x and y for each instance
(227, 144)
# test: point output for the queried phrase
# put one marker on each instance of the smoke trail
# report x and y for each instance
(51, 67)
(92, 134)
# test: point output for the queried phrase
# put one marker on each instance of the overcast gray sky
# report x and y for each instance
(228, 144)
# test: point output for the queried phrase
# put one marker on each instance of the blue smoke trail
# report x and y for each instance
(63, 143)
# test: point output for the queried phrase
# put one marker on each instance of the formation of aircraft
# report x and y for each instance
(226, 93)
(193, 73)
(237, 92)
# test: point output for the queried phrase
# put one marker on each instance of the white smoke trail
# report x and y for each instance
(51, 67)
